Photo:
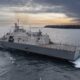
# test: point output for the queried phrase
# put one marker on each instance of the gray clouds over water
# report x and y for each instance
(69, 7)
(72, 6)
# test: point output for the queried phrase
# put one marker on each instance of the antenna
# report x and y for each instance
(18, 22)
(17, 25)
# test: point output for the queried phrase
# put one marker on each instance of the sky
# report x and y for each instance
(40, 12)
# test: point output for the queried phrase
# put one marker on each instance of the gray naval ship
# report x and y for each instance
(37, 42)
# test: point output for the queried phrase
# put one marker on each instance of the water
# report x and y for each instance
(16, 66)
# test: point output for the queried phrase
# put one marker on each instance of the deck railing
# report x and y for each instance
(61, 47)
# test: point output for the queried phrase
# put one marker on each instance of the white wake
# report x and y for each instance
(77, 63)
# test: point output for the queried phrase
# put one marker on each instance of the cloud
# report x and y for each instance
(72, 7)
(44, 18)
(32, 7)
(68, 7)
(13, 2)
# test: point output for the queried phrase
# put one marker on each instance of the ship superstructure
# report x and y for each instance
(19, 35)
(37, 42)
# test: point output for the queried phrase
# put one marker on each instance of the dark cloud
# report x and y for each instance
(13, 2)
(71, 7)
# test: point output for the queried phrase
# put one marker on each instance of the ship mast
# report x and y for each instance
(17, 25)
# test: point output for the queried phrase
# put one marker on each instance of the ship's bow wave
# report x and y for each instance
(77, 63)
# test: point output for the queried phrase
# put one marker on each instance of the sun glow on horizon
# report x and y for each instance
(36, 18)
(44, 18)
(39, 12)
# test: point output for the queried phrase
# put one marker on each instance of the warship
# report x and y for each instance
(39, 43)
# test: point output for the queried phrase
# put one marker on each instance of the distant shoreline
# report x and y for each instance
(63, 26)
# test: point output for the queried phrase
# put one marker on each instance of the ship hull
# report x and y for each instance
(63, 54)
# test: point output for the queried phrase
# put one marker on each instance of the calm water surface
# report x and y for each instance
(15, 66)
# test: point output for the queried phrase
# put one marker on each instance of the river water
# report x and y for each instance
(24, 66)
